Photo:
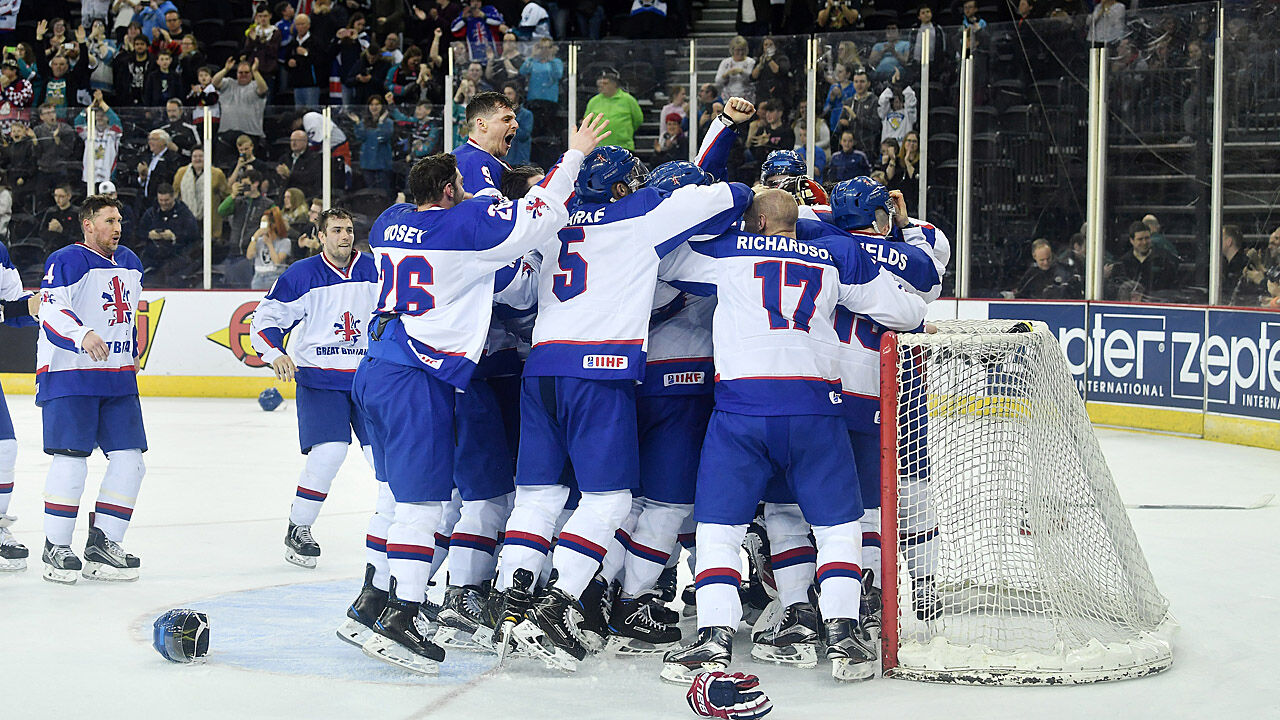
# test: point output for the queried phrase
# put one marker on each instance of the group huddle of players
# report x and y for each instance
(562, 378)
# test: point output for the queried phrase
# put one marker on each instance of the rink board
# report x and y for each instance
(1203, 371)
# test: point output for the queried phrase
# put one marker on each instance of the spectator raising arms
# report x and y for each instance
(104, 142)
(897, 113)
(482, 27)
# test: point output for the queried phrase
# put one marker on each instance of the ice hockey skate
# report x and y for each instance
(400, 638)
(924, 598)
(104, 559)
(849, 648)
(60, 564)
(300, 548)
(464, 623)
(551, 630)
(364, 612)
(689, 597)
(506, 610)
(872, 607)
(634, 628)
(13, 554)
(713, 650)
(596, 602)
(789, 637)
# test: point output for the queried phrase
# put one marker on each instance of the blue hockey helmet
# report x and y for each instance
(676, 174)
(781, 164)
(603, 168)
(861, 203)
(270, 399)
(181, 636)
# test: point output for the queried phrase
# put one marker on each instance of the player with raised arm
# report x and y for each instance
(17, 309)
(778, 407)
(436, 262)
(577, 404)
(87, 388)
(331, 295)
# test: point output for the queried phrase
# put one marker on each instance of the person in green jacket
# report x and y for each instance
(619, 108)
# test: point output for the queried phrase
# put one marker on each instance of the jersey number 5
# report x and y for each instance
(772, 275)
(404, 285)
(573, 281)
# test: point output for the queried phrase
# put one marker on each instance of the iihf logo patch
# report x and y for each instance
(117, 301)
(347, 328)
(536, 207)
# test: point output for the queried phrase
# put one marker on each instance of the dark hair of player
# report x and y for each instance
(515, 182)
(332, 214)
(95, 203)
(431, 175)
(1136, 227)
(485, 104)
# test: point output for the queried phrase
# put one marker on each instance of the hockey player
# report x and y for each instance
(578, 394)
(17, 310)
(778, 406)
(437, 262)
(874, 217)
(491, 127)
(87, 389)
(780, 165)
(332, 296)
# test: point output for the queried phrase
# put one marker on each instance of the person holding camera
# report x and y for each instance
(244, 206)
(840, 14)
(269, 249)
(772, 72)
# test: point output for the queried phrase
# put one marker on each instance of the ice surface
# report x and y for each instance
(210, 523)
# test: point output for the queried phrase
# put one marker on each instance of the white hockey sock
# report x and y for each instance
(611, 568)
(529, 530)
(375, 539)
(580, 547)
(719, 571)
(8, 461)
(317, 477)
(839, 569)
(409, 547)
(918, 530)
(448, 518)
(871, 543)
(63, 487)
(119, 493)
(473, 546)
(792, 556)
(367, 452)
(650, 544)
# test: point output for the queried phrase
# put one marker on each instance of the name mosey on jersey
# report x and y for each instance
(780, 243)
(338, 350)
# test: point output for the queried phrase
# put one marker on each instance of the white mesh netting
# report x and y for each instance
(1016, 561)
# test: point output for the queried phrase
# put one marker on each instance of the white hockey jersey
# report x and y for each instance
(82, 291)
(774, 325)
(327, 309)
(596, 288)
(11, 290)
(436, 271)
(679, 361)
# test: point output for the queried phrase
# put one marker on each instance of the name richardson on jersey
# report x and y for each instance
(781, 244)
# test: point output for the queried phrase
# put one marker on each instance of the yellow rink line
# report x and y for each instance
(172, 385)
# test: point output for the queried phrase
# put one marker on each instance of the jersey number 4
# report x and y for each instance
(773, 274)
(404, 285)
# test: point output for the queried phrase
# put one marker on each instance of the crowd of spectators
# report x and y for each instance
(156, 73)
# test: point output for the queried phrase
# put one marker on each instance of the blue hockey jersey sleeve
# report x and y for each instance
(909, 263)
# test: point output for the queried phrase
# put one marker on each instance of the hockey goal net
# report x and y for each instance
(1015, 561)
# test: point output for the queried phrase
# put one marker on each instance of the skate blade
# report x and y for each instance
(452, 638)
(302, 561)
(678, 674)
(801, 656)
(846, 670)
(630, 647)
(388, 651)
(353, 632)
(531, 639)
(108, 573)
(13, 565)
(62, 577)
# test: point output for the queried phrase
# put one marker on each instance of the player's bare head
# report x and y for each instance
(337, 234)
(772, 212)
(435, 180)
(517, 181)
(100, 222)
(491, 120)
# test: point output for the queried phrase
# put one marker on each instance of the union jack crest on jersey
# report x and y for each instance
(347, 328)
(117, 301)
(536, 207)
